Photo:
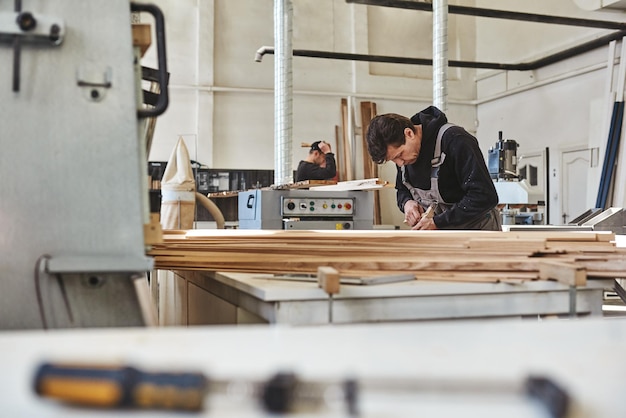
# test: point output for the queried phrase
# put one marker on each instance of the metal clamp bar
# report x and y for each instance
(162, 101)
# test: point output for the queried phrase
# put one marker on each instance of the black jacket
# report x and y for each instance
(464, 179)
(310, 171)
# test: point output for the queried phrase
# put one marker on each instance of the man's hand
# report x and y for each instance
(413, 216)
(412, 212)
(425, 223)
(325, 147)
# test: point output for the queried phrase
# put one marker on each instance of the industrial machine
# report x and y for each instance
(519, 202)
(522, 207)
(305, 209)
(597, 219)
(73, 196)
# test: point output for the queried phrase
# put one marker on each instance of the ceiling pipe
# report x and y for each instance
(283, 92)
(498, 14)
(524, 66)
(440, 54)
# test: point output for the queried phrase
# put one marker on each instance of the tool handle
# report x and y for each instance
(430, 212)
(555, 399)
(113, 387)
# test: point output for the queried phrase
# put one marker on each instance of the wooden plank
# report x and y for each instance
(341, 167)
(370, 169)
(328, 279)
(569, 274)
(477, 255)
(345, 141)
(495, 245)
(142, 37)
(361, 184)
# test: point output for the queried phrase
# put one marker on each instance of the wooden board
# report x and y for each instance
(429, 255)
(346, 144)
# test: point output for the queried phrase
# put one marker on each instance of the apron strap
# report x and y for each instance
(437, 160)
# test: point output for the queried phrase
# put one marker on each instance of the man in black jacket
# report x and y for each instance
(319, 164)
(438, 163)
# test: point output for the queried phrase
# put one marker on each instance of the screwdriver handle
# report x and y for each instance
(115, 387)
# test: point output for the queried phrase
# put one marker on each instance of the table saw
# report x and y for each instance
(73, 199)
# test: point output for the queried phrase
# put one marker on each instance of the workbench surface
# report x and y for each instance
(304, 303)
(584, 356)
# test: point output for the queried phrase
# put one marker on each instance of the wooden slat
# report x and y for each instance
(569, 274)
(370, 169)
(345, 142)
(430, 255)
(341, 167)
(142, 37)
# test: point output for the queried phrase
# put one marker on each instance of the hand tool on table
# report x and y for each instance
(328, 279)
(284, 392)
(125, 387)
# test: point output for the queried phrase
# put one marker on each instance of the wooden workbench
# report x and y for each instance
(204, 297)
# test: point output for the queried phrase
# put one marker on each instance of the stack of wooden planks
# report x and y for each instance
(570, 257)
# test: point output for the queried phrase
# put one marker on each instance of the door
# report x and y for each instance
(575, 166)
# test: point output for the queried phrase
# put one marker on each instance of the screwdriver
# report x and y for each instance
(128, 387)
(120, 387)
(284, 392)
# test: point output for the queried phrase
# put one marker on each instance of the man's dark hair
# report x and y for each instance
(385, 130)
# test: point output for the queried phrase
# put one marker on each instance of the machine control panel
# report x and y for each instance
(316, 206)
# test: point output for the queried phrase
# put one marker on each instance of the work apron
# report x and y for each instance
(489, 221)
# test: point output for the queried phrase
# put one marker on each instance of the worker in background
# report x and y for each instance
(319, 164)
(438, 163)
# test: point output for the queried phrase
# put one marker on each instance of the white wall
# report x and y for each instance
(222, 100)
(561, 106)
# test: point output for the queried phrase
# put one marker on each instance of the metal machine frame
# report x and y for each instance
(73, 200)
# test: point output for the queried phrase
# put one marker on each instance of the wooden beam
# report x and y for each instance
(328, 279)
(346, 144)
(477, 255)
(569, 274)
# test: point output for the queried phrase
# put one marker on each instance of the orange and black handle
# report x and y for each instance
(120, 387)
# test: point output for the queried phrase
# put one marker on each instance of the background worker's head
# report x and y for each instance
(384, 131)
(317, 153)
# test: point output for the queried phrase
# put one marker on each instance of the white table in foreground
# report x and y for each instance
(220, 297)
(583, 356)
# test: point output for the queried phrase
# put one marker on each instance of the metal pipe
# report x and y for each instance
(525, 66)
(440, 54)
(283, 92)
(498, 14)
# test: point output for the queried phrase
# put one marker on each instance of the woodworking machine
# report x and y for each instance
(73, 196)
(306, 209)
(515, 195)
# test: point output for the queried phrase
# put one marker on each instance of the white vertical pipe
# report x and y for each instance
(440, 54)
(283, 91)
